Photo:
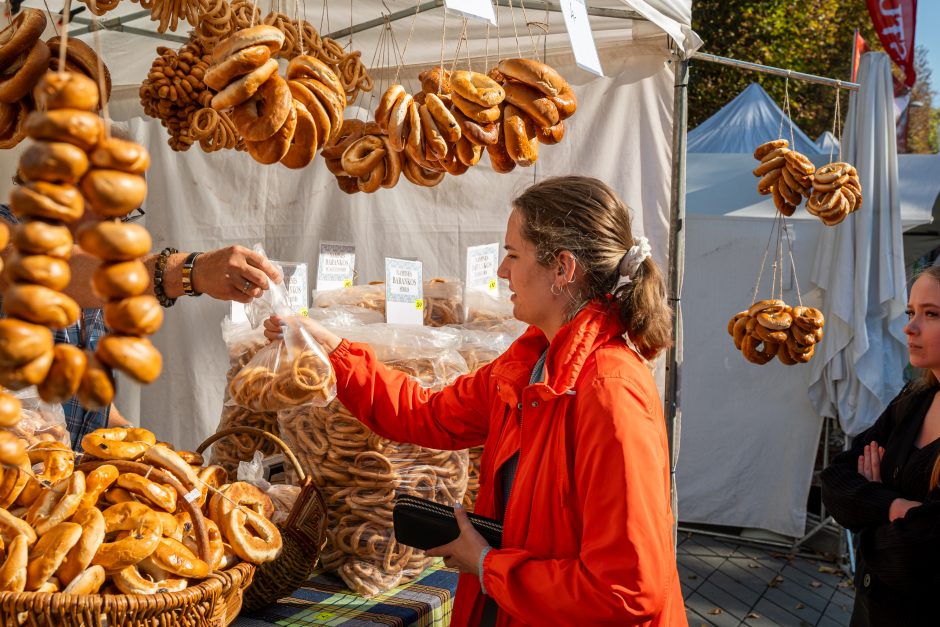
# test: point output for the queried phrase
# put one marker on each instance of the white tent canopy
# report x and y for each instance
(199, 201)
(827, 142)
(749, 120)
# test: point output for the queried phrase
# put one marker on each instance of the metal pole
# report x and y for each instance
(767, 69)
(676, 269)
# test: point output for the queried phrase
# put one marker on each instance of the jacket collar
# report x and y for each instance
(595, 325)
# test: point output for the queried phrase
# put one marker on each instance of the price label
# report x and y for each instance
(336, 266)
(579, 32)
(404, 291)
(482, 264)
(474, 9)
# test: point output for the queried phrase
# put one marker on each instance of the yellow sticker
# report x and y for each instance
(419, 304)
(347, 283)
(324, 616)
(304, 312)
(492, 284)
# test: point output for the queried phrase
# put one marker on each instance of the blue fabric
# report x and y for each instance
(80, 421)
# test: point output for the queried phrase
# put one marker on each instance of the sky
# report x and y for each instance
(928, 35)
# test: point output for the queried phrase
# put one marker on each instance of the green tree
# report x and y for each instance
(813, 36)
(922, 116)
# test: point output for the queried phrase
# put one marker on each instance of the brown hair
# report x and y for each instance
(585, 217)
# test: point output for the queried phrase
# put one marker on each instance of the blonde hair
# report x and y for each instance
(585, 217)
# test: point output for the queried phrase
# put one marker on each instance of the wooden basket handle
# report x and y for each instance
(218, 435)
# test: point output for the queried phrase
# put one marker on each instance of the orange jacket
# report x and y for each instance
(587, 535)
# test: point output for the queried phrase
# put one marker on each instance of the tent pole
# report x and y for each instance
(767, 69)
(676, 269)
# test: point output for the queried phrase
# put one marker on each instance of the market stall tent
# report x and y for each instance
(199, 201)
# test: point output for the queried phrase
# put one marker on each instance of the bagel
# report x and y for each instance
(50, 550)
(771, 305)
(135, 315)
(757, 351)
(372, 180)
(25, 375)
(479, 134)
(262, 115)
(144, 577)
(435, 80)
(303, 144)
(348, 184)
(20, 35)
(159, 495)
(80, 556)
(321, 118)
(175, 557)
(118, 443)
(434, 140)
(392, 165)
(331, 103)
(474, 111)
(467, 152)
(97, 387)
(780, 201)
(11, 527)
(36, 237)
(120, 280)
(82, 128)
(96, 482)
(398, 123)
(40, 305)
(260, 35)
(168, 459)
(476, 87)
(142, 540)
(80, 58)
(242, 89)
(66, 90)
(306, 66)
(53, 162)
(363, 155)
(22, 342)
(452, 164)
(112, 193)
(50, 201)
(419, 175)
(274, 148)
(89, 581)
(216, 543)
(534, 103)
(349, 132)
(10, 408)
(39, 269)
(253, 537)
(134, 356)
(57, 461)
(539, 75)
(13, 570)
(800, 163)
(566, 102)
(552, 135)
(768, 166)
(415, 141)
(386, 104)
(237, 64)
(520, 136)
(56, 504)
(446, 122)
(768, 147)
(12, 121)
(500, 159)
(17, 86)
(119, 154)
(65, 375)
(115, 241)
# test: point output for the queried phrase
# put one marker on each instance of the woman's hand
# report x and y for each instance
(274, 330)
(464, 552)
(900, 507)
(869, 462)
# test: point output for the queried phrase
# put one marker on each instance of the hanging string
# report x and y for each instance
(325, 16)
(515, 30)
(443, 39)
(486, 50)
(52, 19)
(379, 59)
(102, 87)
(837, 126)
(300, 26)
(528, 25)
(411, 32)
(254, 12)
(763, 261)
(352, 22)
(499, 56)
(796, 281)
(786, 104)
(64, 38)
(469, 61)
(460, 40)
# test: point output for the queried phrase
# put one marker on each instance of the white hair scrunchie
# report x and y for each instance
(631, 261)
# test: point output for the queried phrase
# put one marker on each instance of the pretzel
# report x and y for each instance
(770, 328)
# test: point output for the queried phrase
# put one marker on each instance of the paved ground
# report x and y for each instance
(728, 584)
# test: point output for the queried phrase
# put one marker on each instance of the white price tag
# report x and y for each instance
(582, 40)
(404, 291)
(482, 263)
(192, 496)
(336, 267)
(476, 9)
(295, 280)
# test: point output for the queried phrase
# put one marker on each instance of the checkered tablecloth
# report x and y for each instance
(325, 600)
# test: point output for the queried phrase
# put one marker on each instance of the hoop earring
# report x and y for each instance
(552, 290)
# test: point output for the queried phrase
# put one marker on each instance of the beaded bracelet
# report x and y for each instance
(158, 288)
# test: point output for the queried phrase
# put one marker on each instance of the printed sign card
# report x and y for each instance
(482, 263)
(295, 282)
(475, 9)
(582, 40)
(404, 291)
(337, 266)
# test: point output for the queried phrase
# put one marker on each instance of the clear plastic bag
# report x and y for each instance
(359, 472)
(443, 300)
(282, 496)
(483, 308)
(39, 421)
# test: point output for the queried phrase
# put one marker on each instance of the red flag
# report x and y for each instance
(895, 21)
(859, 48)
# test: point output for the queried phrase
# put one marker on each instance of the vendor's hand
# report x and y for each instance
(274, 330)
(464, 552)
(869, 462)
(900, 507)
(233, 273)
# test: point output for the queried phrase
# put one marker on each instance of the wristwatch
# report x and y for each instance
(188, 274)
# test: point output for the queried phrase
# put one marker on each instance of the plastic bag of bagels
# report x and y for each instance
(482, 307)
(360, 473)
(243, 342)
(282, 496)
(443, 300)
(39, 421)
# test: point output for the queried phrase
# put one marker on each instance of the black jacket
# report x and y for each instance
(898, 575)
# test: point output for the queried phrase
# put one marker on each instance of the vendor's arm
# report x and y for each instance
(626, 564)
(853, 500)
(904, 554)
(393, 405)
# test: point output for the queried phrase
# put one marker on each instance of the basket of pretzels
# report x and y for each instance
(302, 532)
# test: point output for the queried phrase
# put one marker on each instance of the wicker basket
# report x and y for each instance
(303, 533)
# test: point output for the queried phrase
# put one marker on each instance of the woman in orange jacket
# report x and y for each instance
(575, 459)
